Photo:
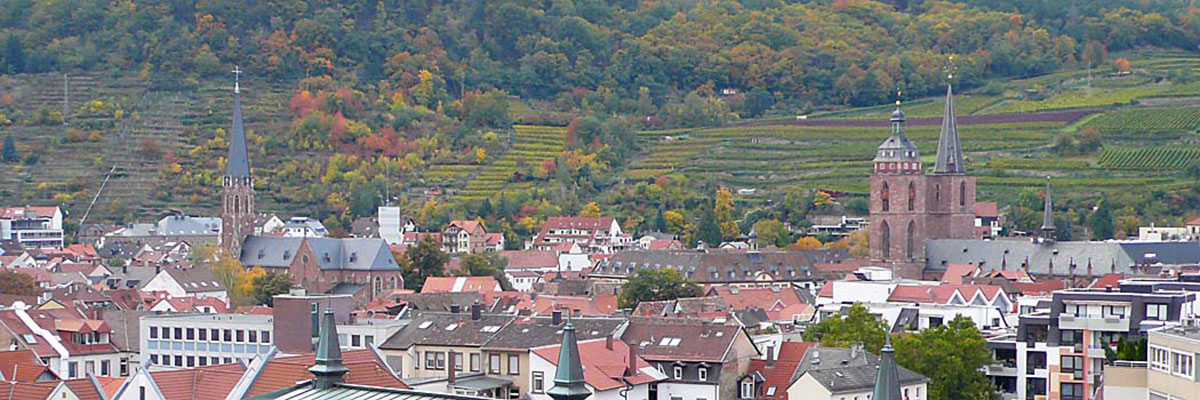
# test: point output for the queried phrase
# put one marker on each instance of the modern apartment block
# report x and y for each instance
(192, 340)
(1058, 350)
(1171, 359)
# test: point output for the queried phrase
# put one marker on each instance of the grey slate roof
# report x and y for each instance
(130, 277)
(197, 279)
(237, 164)
(430, 328)
(949, 151)
(721, 266)
(530, 332)
(858, 379)
(125, 331)
(1012, 254)
(437, 301)
(897, 147)
(358, 392)
(361, 254)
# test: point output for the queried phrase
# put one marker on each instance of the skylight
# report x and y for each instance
(425, 325)
(490, 329)
(670, 341)
(771, 391)
(452, 327)
(30, 338)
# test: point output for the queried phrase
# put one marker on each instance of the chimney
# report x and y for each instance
(476, 311)
(633, 371)
(854, 350)
(556, 317)
(125, 269)
(157, 269)
(455, 308)
(608, 342)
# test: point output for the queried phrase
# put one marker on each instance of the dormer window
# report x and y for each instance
(287, 254)
(261, 253)
(326, 257)
(353, 257)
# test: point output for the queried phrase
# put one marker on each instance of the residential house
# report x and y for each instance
(267, 224)
(32, 227)
(189, 304)
(597, 235)
(783, 306)
(478, 284)
(987, 220)
(702, 360)
(777, 369)
(304, 227)
(853, 373)
(918, 305)
(611, 369)
(195, 282)
(72, 345)
(174, 227)
(465, 236)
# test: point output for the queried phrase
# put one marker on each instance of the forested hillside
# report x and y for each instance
(352, 104)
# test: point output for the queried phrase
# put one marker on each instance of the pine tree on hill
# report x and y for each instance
(9, 153)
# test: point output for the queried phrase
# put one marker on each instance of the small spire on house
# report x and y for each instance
(328, 369)
(887, 382)
(568, 376)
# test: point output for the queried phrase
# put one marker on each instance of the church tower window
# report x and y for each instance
(962, 194)
(883, 196)
(912, 229)
(912, 196)
(885, 234)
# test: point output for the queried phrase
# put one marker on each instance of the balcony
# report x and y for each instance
(1002, 368)
(1094, 351)
(1093, 323)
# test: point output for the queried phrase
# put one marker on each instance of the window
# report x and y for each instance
(458, 361)
(191, 361)
(1182, 364)
(214, 334)
(124, 366)
(703, 373)
(747, 389)
(1114, 311)
(514, 364)
(538, 381)
(228, 335)
(1072, 391)
(368, 340)
(105, 367)
(203, 361)
(203, 335)
(1070, 337)
(355, 341)
(227, 360)
(1156, 312)
(141, 393)
(962, 193)
(241, 336)
(883, 197)
(1160, 359)
(154, 358)
(678, 373)
(191, 334)
(1070, 364)
(266, 337)
(178, 361)
(1075, 310)
(178, 334)
(253, 335)
(430, 360)
(154, 332)
(886, 240)
(909, 245)
(912, 196)
(494, 364)
(474, 362)
(73, 369)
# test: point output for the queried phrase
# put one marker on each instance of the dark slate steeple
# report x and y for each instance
(328, 370)
(237, 165)
(568, 376)
(887, 382)
(949, 151)
(1047, 229)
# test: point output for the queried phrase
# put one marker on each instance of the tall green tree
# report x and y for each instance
(267, 286)
(485, 264)
(707, 230)
(426, 259)
(9, 153)
(16, 283)
(14, 54)
(660, 222)
(857, 325)
(951, 356)
(655, 285)
(1101, 220)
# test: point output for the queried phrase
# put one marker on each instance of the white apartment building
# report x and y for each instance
(34, 227)
(191, 340)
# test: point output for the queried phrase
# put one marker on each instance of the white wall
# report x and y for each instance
(574, 262)
(690, 391)
(165, 283)
(129, 390)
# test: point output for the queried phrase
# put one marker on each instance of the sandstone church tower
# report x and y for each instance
(908, 206)
(237, 186)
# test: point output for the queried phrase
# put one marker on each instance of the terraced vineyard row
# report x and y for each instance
(1147, 119)
(1149, 158)
(532, 146)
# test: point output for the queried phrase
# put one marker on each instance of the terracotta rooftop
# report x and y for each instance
(28, 368)
(678, 339)
(208, 382)
(955, 273)
(443, 284)
(778, 374)
(27, 391)
(987, 209)
(283, 372)
(527, 259)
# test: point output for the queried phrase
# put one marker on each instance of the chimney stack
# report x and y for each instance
(608, 342)
(476, 311)
(556, 317)
(455, 308)
(450, 371)
(633, 371)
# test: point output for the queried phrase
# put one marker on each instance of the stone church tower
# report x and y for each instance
(237, 186)
(909, 206)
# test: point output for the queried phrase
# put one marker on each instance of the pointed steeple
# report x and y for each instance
(949, 151)
(887, 382)
(568, 376)
(237, 164)
(328, 368)
(1047, 229)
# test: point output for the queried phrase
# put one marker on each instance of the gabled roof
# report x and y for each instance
(125, 324)
(208, 382)
(987, 209)
(192, 304)
(859, 378)
(606, 369)
(1108, 280)
(446, 329)
(195, 280)
(27, 391)
(86, 389)
(359, 254)
(956, 273)
(529, 259)
(594, 305)
(27, 366)
(468, 225)
(531, 332)
(778, 373)
(679, 339)
(365, 368)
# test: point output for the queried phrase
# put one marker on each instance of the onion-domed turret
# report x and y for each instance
(897, 154)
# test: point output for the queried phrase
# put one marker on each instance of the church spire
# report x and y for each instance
(887, 382)
(949, 151)
(568, 376)
(1047, 214)
(328, 368)
(237, 165)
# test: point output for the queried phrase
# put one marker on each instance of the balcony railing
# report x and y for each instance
(1093, 322)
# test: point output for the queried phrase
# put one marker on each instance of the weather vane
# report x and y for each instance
(237, 77)
(898, 93)
(950, 68)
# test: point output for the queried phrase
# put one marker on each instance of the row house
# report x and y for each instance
(32, 227)
(919, 305)
(469, 236)
(1058, 351)
(701, 359)
(597, 235)
(734, 268)
(72, 345)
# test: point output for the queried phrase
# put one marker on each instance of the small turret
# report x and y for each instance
(897, 154)
(328, 370)
(568, 376)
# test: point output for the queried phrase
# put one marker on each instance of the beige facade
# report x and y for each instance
(1171, 359)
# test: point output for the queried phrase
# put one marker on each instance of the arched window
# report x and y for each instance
(378, 286)
(236, 204)
(937, 193)
(912, 196)
(883, 196)
(912, 230)
(392, 283)
(962, 193)
(885, 241)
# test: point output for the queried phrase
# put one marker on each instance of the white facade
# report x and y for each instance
(304, 227)
(164, 282)
(191, 340)
(139, 387)
(539, 366)
(365, 333)
(688, 391)
(392, 226)
(1163, 233)
(523, 280)
(808, 388)
(30, 229)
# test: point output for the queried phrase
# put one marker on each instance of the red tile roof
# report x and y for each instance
(528, 259)
(987, 209)
(1194, 222)
(444, 284)
(779, 304)
(779, 373)
(956, 272)
(592, 223)
(209, 382)
(664, 244)
(110, 385)
(27, 391)
(50, 320)
(19, 212)
(283, 372)
(84, 389)
(1042, 287)
(591, 306)
(1010, 274)
(604, 369)
(467, 225)
(28, 368)
(1108, 280)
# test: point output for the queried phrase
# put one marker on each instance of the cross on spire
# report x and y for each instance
(237, 77)
(950, 68)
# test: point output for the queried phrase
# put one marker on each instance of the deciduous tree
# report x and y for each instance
(951, 356)
(857, 325)
(16, 283)
(426, 259)
(656, 284)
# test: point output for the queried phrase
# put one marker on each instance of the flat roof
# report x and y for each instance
(220, 318)
(1188, 332)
